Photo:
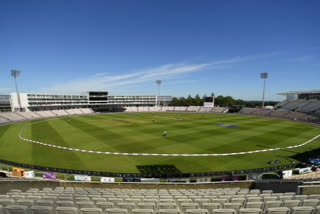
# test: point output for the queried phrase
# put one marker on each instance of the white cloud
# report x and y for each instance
(103, 81)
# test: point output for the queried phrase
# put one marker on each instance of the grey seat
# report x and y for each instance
(185, 206)
(146, 206)
(4, 196)
(302, 210)
(25, 202)
(271, 204)
(44, 203)
(278, 210)
(250, 211)
(254, 199)
(91, 210)
(196, 211)
(169, 211)
(65, 203)
(291, 203)
(270, 198)
(84, 204)
(310, 202)
(116, 211)
(16, 197)
(314, 196)
(104, 205)
(128, 206)
(235, 206)
(257, 205)
(41, 210)
(82, 199)
(223, 211)
(142, 211)
(66, 210)
(301, 197)
(5, 202)
(238, 200)
(211, 206)
(167, 205)
(16, 209)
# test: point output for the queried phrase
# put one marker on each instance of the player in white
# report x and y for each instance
(165, 133)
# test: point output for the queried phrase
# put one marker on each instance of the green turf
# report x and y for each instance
(127, 132)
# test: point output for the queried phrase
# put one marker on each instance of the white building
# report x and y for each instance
(99, 100)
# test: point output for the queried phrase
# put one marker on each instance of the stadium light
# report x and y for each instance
(158, 82)
(263, 76)
(15, 74)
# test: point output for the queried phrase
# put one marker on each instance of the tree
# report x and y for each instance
(197, 100)
(189, 101)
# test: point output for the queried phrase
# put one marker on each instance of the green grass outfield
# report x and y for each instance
(189, 133)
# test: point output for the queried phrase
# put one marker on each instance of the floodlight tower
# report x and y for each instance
(158, 82)
(15, 74)
(263, 76)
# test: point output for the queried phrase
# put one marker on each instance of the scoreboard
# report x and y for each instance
(208, 101)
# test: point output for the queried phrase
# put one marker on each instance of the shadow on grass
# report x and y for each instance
(303, 157)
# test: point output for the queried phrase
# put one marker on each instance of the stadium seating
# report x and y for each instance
(248, 110)
(75, 200)
(310, 106)
(292, 104)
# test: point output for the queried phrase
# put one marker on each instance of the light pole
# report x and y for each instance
(15, 74)
(263, 76)
(158, 82)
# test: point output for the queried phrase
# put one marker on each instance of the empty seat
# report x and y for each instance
(128, 206)
(257, 205)
(82, 199)
(196, 211)
(278, 210)
(44, 203)
(167, 205)
(211, 206)
(223, 211)
(146, 206)
(104, 205)
(90, 210)
(65, 203)
(286, 197)
(4, 196)
(291, 203)
(169, 211)
(270, 198)
(116, 211)
(84, 204)
(16, 209)
(185, 206)
(310, 202)
(25, 202)
(238, 200)
(269, 204)
(314, 196)
(250, 211)
(16, 197)
(254, 199)
(302, 210)
(142, 211)
(41, 210)
(300, 197)
(5, 202)
(66, 210)
(235, 206)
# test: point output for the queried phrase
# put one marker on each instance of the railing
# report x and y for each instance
(139, 175)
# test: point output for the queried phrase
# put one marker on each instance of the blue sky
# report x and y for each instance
(193, 46)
